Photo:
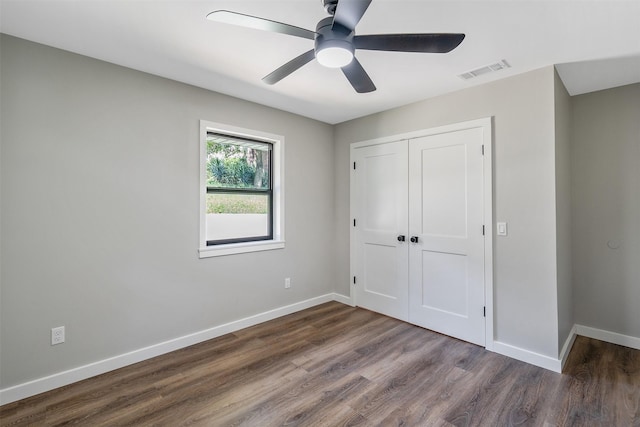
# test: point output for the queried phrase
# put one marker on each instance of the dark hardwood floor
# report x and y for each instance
(334, 365)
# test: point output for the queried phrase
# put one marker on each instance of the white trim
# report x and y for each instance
(352, 230)
(347, 300)
(40, 385)
(527, 356)
(486, 124)
(240, 248)
(454, 127)
(568, 344)
(557, 365)
(278, 191)
(611, 337)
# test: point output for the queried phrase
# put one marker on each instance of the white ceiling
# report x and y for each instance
(173, 39)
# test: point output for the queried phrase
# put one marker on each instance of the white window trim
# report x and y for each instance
(277, 142)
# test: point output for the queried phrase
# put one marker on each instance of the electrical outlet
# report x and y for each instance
(287, 282)
(57, 335)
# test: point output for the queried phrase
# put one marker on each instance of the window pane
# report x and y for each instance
(237, 216)
(236, 163)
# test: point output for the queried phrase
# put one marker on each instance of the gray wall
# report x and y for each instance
(99, 175)
(524, 194)
(563, 123)
(606, 208)
(99, 196)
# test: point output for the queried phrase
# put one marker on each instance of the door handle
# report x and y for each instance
(401, 238)
(414, 239)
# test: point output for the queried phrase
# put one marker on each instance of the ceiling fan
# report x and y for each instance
(336, 41)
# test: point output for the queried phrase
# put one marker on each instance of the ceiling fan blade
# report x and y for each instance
(349, 12)
(429, 43)
(358, 77)
(234, 18)
(289, 67)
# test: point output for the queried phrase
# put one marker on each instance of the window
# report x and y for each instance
(241, 190)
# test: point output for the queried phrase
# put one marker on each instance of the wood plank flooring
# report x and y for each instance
(335, 365)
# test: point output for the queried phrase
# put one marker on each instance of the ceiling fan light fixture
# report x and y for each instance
(334, 57)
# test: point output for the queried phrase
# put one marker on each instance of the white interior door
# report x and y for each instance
(380, 214)
(446, 276)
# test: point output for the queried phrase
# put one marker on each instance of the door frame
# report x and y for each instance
(486, 124)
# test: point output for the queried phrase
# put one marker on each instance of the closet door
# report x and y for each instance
(380, 213)
(446, 254)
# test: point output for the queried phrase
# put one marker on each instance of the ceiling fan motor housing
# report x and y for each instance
(333, 35)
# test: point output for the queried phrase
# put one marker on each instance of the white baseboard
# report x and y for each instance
(527, 356)
(568, 344)
(344, 299)
(40, 385)
(607, 336)
(557, 365)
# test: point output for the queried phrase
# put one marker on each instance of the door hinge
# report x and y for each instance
(354, 165)
(484, 311)
(483, 149)
(354, 280)
(483, 230)
(354, 222)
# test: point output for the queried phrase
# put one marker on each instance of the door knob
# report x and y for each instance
(401, 238)
(414, 239)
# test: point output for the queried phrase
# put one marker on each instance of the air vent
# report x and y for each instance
(485, 70)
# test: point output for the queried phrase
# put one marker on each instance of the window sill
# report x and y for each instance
(240, 248)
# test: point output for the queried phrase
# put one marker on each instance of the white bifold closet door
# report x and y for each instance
(418, 240)
(446, 260)
(381, 259)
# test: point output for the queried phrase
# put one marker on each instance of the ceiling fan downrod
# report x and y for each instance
(330, 6)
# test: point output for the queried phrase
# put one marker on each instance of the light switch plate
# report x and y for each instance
(501, 228)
